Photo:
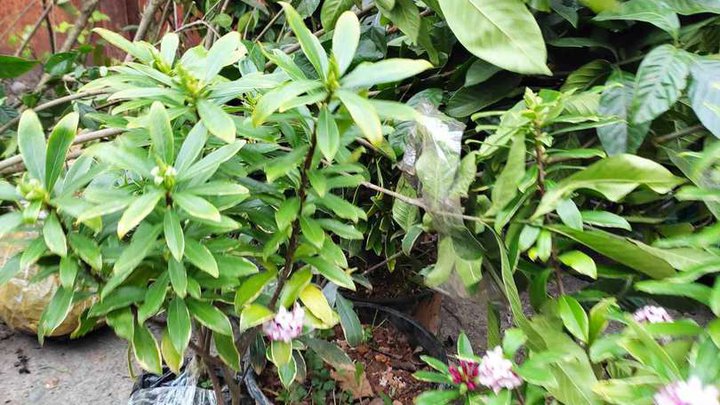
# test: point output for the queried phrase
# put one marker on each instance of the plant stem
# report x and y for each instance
(34, 29)
(203, 351)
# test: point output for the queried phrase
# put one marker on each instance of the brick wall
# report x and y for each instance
(15, 15)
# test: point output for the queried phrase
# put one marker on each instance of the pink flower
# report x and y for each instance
(690, 392)
(286, 326)
(496, 373)
(466, 374)
(652, 314)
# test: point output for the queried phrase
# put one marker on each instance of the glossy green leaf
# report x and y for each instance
(318, 305)
(223, 53)
(331, 272)
(332, 10)
(616, 101)
(579, 262)
(650, 11)
(349, 321)
(210, 316)
(385, 71)
(328, 135)
(280, 352)
(174, 236)
(704, 93)
(310, 45)
(170, 355)
(605, 219)
(254, 315)
(503, 33)
(13, 66)
(345, 39)
(225, 346)
(661, 78)
(179, 324)
(200, 256)
(312, 231)
(197, 207)
(154, 298)
(161, 133)
(55, 312)
(613, 177)
(31, 142)
(251, 288)
(68, 271)
(146, 350)
(364, 115)
(54, 235)
(59, 143)
(272, 100)
(216, 120)
(168, 47)
(569, 214)
(140, 208)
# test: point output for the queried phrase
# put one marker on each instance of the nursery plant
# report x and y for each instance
(563, 151)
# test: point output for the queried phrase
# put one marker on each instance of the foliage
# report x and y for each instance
(543, 141)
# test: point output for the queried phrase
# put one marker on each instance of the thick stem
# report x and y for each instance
(235, 391)
(203, 352)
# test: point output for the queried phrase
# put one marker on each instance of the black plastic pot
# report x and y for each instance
(370, 313)
(403, 303)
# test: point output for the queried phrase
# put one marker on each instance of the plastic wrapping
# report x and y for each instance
(22, 299)
(171, 389)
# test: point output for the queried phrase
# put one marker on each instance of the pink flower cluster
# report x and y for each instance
(467, 373)
(690, 392)
(286, 326)
(652, 314)
(496, 373)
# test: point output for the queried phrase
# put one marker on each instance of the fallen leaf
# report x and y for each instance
(357, 385)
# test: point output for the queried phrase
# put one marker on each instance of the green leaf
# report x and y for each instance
(123, 323)
(464, 347)
(605, 219)
(287, 212)
(31, 142)
(616, 101)
(506, 185)
(197, 207)
(288, 372)
(599, 317)
(574, 317)
(211, 162)
(312, 231)
(690, 7)
(223, 53)
(168, 47)
(614, 177)
(369, 74)
(342, 230)
(55, 312)
(318, 305)
(328, 135)
(210, 316)
(200, 256)
(12, 66)
(120, 298)
(280, 352)
(579, 262)
(253, 315)
(191, 147)
(503, 33)
(273, 99)
(216, 120)
(251, 288)
(620, 250)
(172, 357)
(178, 277)
(120, 42)
(225, 346)
(140, 208)
(704, 93)
(411, 235)
(154, 298)
(569, 214)
(661, 78)
(332, 10)
(174, 236)
(696, 291)
(296, 283)
(479, 72)
(437, 397)
(349, 321)
(650, 11)
(405, 15)
(309, 43)
(68, 271)
(345, 39)
(179, 325)
(59, 142)
(331, 272)
(586, 76)
(364, 115)
(87, 249)
(146, 350)
(54, 235)
(161, 133)
(330, 353)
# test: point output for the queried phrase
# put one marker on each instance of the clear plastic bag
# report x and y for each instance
(169, 389)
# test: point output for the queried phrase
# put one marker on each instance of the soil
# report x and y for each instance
(388, 361)
(398, 284)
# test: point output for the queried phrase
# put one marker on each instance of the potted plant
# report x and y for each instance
(222, 217)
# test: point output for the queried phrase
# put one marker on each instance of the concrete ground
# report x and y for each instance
(91, 370)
